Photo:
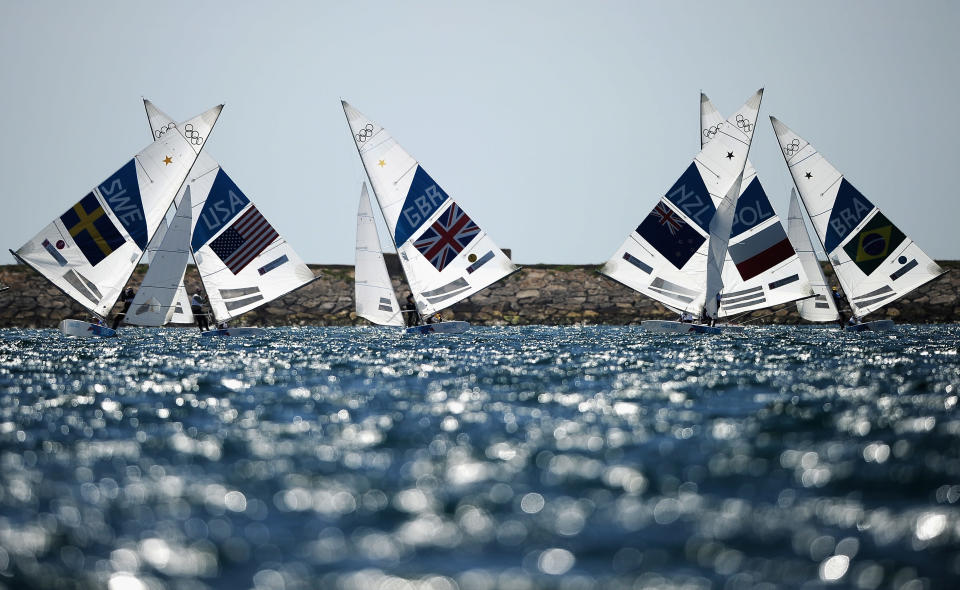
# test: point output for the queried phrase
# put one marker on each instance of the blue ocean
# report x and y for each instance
(518, 458)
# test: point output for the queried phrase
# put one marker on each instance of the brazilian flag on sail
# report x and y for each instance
(877, 240)
(91, 229)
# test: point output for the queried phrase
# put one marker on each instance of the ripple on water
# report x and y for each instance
(534, 457)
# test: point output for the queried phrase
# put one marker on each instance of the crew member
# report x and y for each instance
(196, 306)
(126, 298)
(410, 312)
(838, 301)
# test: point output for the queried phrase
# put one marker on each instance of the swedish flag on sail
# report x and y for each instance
(877, 240)
(91, 229)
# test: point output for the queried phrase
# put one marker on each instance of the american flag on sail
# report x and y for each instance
(243, 241)
(448, 236)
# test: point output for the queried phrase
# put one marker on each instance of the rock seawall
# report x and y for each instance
(539, 294)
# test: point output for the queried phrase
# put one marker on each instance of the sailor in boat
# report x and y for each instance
(838, 300)
(126, 298)
(410, 311)
(196, 306)
(686, 318)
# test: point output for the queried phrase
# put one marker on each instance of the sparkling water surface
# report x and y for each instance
(573, 458)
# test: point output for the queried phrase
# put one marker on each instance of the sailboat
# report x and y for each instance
(676, 254)
(91, 250)
(243, 261)
(445, 255)
(822, 307)
(875, 262)
(761, 268)
(373, 291)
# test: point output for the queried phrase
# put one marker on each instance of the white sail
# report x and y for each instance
(376, 300)
(821, 308)
(665, 257)
(158, 297)
(875, 262)
(717, 246)
(243, 262)
(761, 269)
(445, 255)
(91, 250)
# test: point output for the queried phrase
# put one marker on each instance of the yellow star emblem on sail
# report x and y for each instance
(168, 160)
(382, 163)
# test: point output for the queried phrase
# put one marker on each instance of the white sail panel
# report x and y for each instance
(761, 268)
(665, 257)
(821, 307)
(375, 297)
(874, 260)
(717, 246)
(158, 296)
(91, 250)
(243, 261)
(446, 256)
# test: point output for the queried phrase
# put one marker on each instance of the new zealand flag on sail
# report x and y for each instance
(92, 230)
(672, 237)
(447, 237)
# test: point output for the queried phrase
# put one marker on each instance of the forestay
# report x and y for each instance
(91, 250)
(376, 299)
(761, 267)
(874, 260)
(665, 257)
(243, 262)
(445, 254)
(821, 308)
(161, 294)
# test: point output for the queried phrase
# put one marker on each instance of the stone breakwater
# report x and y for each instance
(538, 294)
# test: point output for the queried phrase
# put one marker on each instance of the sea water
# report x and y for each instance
(512, 458)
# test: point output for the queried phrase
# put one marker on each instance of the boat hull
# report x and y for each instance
(82, 329)
(669, 327)
(234, 332)
(874, 326)
(440, 328)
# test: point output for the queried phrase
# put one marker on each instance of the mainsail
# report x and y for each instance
(822, 307)
(91, 250)
(161, 294)
(874, 260)
(243, 262)
(445, 255)
(376, 300)
(666, 256)
(761, 269)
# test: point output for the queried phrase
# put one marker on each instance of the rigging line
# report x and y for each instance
(839, 178)
(707, 167)
(142, 167)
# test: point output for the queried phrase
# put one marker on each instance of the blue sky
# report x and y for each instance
(556, 125)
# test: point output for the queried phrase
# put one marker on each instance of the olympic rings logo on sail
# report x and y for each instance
(157, 133)
(712, 131)
(792, 148)
(365, 133)
(744, 124)
(192, 135)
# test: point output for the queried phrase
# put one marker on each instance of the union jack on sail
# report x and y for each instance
(447, 237)
(666, 216)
